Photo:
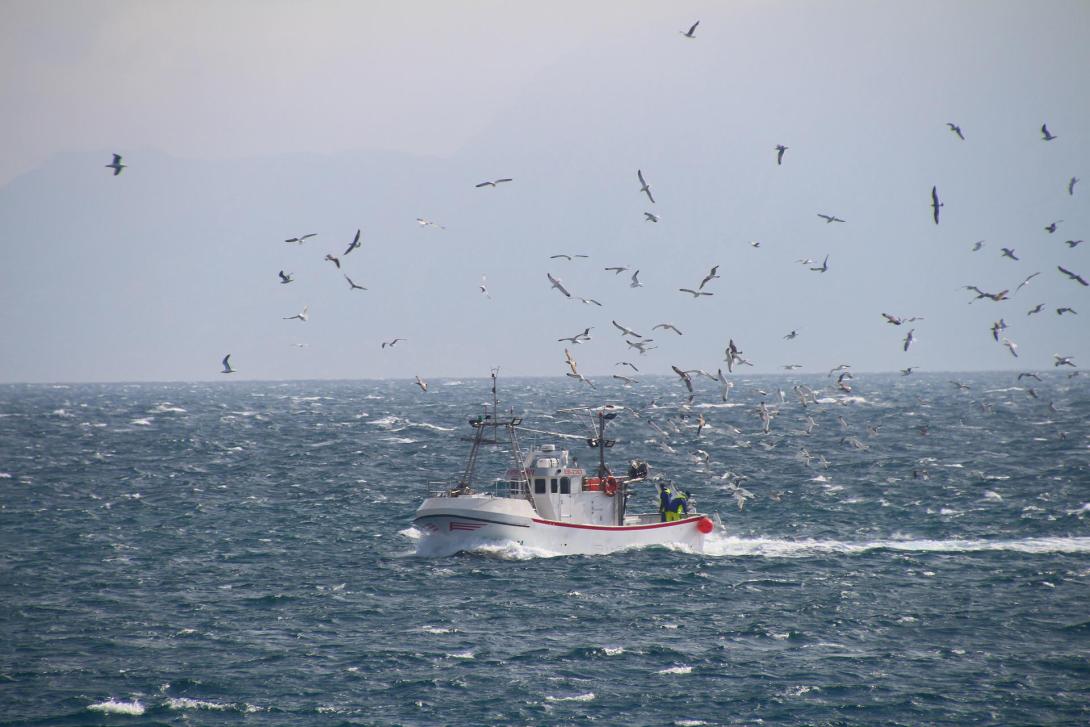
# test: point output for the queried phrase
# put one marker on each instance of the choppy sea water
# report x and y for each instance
(241, 553)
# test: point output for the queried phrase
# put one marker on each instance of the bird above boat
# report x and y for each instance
(116, 165)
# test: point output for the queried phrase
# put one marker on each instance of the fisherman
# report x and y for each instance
(666, 497)
(679, 506)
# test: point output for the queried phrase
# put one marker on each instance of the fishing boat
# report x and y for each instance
(546, 502)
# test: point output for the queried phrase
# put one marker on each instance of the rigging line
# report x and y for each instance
(551, 434)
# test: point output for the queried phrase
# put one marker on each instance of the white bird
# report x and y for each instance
(909, 339)
(578, 337)
(1063, 360)
(690, 32)
(557, 284)
(626, 331)
(299, 240)
(651, 217)
(116, 165)
(713, 274)
(724, 385)
(424, 222)
(641, 346)
(694, 293)
(566, 256)
(588, 301)
(635, 280)
(628, 364)
(824, 266)
(494, 182)
(645, 187)
(352, 284)
(628, 381)
(422, 384)
(582, 378)
(228, 370)
(667, 327)
(484, 289)
(1011, 346)
(301, 315)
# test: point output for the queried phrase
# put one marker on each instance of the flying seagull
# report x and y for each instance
(956, 129)
(935, 203)
(302, 315)
(494, 182)
(626, 331)
(780, 149)
(1061, 311)
(829, 218)
(422, 384)
(1011, 346)
(641, 346)
(635, 280)
(627, 380)
(695, 293)
(791, 336)
(668, 327)
(424, 222)
(1072, 243)
(227, 365)
(1071, 186)
(1009, 252)
(977, 245)
(565, 256)
(588, 301)
(644, 186)
(285, 278)
(712, 275)
(690, 32)
(909, 338)
(1036, 309)
(1046, 134)
(1051, 226)
(392, 343)
(578, 337)
(336, 261)
(352, 285)
(1074, 276)
(1000, 325)
(354, 244)
(116, 165)
(1063, 360)
(824, 266)
(650, 217)
(1026, 281)
(556, 284)
(299, 240)
(484, 289)
(628, 364)
(617, 269)
(687, 379)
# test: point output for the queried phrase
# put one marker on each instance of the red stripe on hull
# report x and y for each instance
(619, 528)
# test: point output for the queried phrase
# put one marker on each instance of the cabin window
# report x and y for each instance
(565, 485)
(552, 484)
(539, 486)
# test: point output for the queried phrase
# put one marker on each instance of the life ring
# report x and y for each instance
(611, 486)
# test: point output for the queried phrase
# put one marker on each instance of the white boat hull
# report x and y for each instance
(449, 525)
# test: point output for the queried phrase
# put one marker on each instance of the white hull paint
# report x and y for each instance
(449, 525)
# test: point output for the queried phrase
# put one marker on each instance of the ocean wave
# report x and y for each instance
(718, 545)
(187, 703)
(112, 706)
(589, 696)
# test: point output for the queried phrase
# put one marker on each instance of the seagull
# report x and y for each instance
(392, 343)
(1074, 276)
(1029, 375)
(1046, 134)
(1001, 295)
(641, 346)
(960, 386)
(977, 245)
(354, 244)
(228, 370)
(1009, 252)
(755, 244)
(1061, 311)
(893, 319)
(352, 285)
(556, 284)
(628, 381)
(422, 384)
(909, 370)
(566, 257)
(691, 31)
(824, 266)
(667, 327)
(1071, 186)
(829, 218)
(299, 240)
(791, 336)
(780, 149)
(1036, 309)
(1072, 243)
(1011, 346)
(424, 222)
(724, 385)
(582, 378)
(588, 301)
(578, 337)
(628, 364)
(285, 278)
(732, 355)
(484, 289)
(695, 293)
(687, 379)
(616, 269)
(301, 315)
(1000, 325)
(792, 367)
(650, 217)
(116, 165)
(909, 338)
(626, 331)
(494, 182)
(333, 260)
(645, 187)
(1063, 360)
(570, 360)
(1051, 226)
(635, 280)
(1026, 281)
(806, 261)
(956, 129)
(713, 274)
(935, 203)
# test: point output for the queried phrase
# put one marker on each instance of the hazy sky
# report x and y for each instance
(245, 123)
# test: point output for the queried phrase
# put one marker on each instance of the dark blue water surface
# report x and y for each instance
(241, 553)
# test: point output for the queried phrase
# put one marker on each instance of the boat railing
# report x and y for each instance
(497, 488)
